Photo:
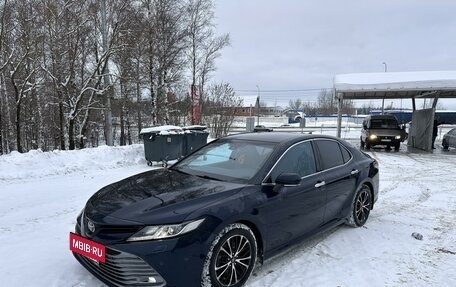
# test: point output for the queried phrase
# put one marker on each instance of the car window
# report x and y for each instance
(345, 154)
(330, 153)
(383, 124)
(298, 159)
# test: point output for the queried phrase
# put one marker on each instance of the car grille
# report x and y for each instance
(124, 269)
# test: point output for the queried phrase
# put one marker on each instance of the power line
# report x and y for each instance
(282, 91)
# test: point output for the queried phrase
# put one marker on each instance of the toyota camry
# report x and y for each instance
(211, 217)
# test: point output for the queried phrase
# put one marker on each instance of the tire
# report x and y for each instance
(368, 146)
(361, 144)
(361, 207)
(231, 257)
(397, 146)
(444, 144)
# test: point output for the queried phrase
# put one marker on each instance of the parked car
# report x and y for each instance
(261, 128)
(382, 130)
(207, 220)
(449, 139)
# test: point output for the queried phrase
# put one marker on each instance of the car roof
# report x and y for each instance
(277, 137)
(382, 117)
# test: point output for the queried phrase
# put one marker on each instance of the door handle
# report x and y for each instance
(355, 171)
(320, 184)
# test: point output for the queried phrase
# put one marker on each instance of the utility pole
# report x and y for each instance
(106, 78)
(258, 105)
(383, 102)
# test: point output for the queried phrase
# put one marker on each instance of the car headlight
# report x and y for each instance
(372, 137)
(165, 231)
(397, 137)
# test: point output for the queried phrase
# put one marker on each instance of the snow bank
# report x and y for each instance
(36, 163)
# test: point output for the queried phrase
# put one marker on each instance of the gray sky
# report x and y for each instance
(302, 44)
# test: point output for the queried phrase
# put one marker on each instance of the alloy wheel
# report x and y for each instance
(362, 207)
(233, 260)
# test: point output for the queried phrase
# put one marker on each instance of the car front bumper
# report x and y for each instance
(174, 262)
(384, 140)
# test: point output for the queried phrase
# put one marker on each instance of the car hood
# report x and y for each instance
(156, 197)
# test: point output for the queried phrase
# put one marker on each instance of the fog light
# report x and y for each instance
(152, 280)
(397, 137)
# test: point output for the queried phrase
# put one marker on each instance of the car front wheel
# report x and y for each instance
(231, 257)
(397, 146)
(361, 207)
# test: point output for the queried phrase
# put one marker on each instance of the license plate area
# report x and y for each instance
(385, 140)
(88, 248)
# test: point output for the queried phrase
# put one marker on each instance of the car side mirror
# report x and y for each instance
(288, 179)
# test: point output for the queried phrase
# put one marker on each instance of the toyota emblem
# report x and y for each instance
(91, 226)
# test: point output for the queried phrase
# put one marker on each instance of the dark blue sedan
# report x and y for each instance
(208, 219)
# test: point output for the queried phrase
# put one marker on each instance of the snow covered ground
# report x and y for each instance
(42, 193)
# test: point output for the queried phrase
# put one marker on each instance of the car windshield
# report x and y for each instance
(383, 124)
(227, 160)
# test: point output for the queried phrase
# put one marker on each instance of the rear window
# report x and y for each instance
(345, 154)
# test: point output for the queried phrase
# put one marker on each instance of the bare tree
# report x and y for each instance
(326, 102)
(59, 59)
(221, 105)
(2, 33)
(23, 64)
(295, 104)
(204, 46)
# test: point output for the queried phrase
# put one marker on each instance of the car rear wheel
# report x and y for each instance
(444, 144)
(231, 257)
(361, 207)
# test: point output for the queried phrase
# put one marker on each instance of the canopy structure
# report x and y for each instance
(396, 85)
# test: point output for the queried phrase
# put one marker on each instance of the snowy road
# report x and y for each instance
(41, 195)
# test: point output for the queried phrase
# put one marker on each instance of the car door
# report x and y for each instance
(292, 211)
(338, 175)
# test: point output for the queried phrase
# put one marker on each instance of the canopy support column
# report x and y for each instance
(340, 99)
(434, 104)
